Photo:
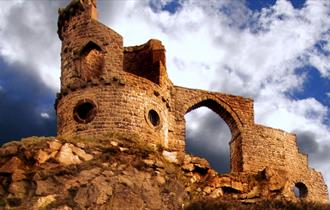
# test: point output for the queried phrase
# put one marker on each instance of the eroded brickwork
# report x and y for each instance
(107, 88)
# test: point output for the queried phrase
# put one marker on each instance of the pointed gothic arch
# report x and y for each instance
(221, 109)
(230, 118)
(91, 61)
(208, 136)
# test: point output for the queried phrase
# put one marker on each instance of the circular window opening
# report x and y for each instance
(84, 112)
(154, 118)
(300, 190)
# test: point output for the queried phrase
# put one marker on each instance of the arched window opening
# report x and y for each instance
(91, 61)
(208, 136)
(300, 190)
(89, 47)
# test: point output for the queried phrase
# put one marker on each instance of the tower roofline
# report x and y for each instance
(75, 7)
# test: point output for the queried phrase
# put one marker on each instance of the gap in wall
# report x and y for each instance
(208, 136)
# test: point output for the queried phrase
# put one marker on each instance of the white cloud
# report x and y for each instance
(5, 8)
(201, 44)
(328, 94)
(307, 114)
(44, 115)
(321, 62)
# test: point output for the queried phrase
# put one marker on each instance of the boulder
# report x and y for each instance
(66, 157)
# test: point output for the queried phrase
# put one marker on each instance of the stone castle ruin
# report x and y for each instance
(106, 87)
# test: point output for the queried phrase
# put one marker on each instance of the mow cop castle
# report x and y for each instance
(106, 87)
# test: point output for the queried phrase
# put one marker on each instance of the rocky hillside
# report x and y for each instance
(109, 173)
(117, 172)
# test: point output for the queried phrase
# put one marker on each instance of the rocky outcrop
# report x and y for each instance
(118, 172)
(110, 173)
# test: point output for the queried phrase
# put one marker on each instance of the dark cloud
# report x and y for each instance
(26, 102)
(32, 32)
(324, 155)
(210, 139)
(318, 153)
(23, 97)
(307, 142)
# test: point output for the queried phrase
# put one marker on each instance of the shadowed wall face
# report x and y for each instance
(144, 60)
(91, 62)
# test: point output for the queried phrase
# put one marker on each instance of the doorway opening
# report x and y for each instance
(208, 136)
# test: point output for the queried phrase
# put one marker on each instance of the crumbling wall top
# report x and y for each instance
(147, 60)
(75, 7)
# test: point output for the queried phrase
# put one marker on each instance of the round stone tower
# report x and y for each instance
(106, 88)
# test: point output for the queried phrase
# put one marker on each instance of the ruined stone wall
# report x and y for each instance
(276, 149)
(236, 111)
(143, 60)
(107, 88)
(254, 147)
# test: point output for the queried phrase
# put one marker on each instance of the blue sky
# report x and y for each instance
(276, 52)
(314, 86)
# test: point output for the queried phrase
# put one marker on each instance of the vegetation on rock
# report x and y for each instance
(124, 172)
